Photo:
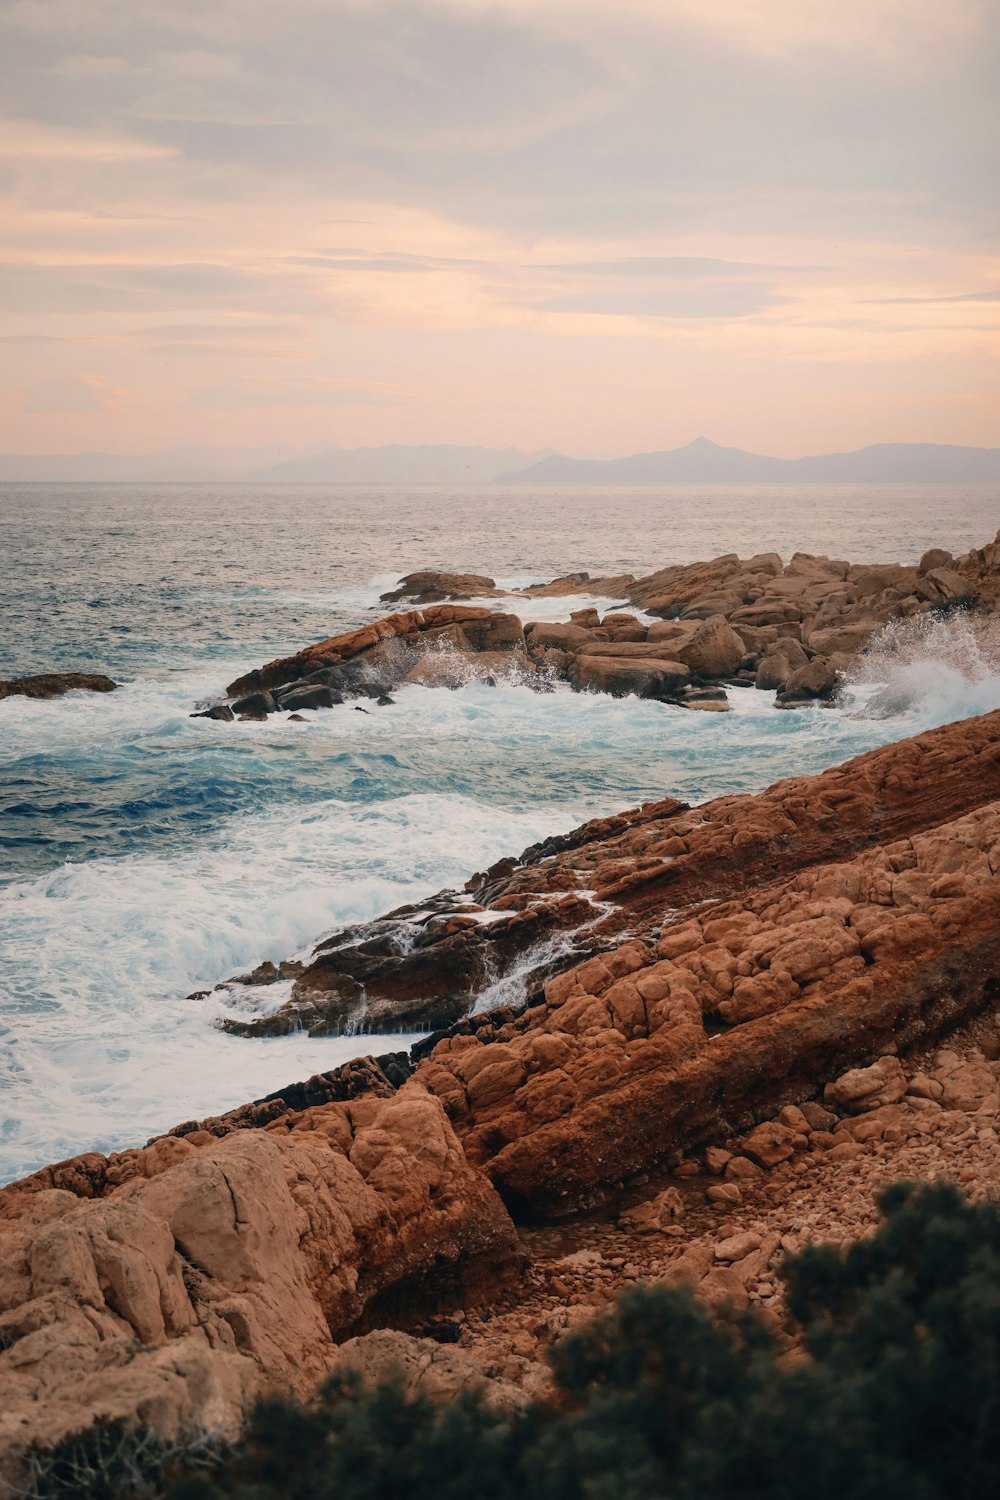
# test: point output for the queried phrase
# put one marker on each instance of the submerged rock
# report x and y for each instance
(54, 684)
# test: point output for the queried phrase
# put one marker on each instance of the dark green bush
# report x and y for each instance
(898, 1397)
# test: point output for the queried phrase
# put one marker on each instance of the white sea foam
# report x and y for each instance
(98, 1047)
(928, 670)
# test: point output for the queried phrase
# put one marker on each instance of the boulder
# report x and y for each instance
(656, 1214)
(229, 1266)
(817, 679)
(219, 711)
(769, 1144)
(847, 638)
(307, 696)
(625, 676)
(559, 637)
(255, 703)
(861, 1089)
(936, 557)
(429, 587)
(705, 699)
(714, 650)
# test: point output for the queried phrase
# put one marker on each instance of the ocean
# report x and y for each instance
(145, 854)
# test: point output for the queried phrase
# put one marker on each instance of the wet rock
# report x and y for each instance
(307, 697)
(705, 699)
(429, 587)
(817, 679)
(220, 711)
(625, 676)
(55, 684)
(255, 703)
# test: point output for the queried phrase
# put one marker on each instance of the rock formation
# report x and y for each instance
(54, 684)
(232, 1264)
(727, 1009)
(791, 629)
(424, 965)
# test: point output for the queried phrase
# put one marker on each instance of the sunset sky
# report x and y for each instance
(597, 225)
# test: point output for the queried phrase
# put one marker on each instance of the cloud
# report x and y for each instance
(26, 140)
(710, 300)
(987, 296)
(71, 394)
(543, 119)
(128, 287)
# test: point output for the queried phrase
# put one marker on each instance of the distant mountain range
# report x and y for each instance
(703, 460)
(440, 463)
(444, 463)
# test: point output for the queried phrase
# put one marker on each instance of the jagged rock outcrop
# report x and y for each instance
(658, 1046)
(221, 1267)
(756, 967)
(55, 684)
(786, 628)
(424, 965)
(383, 651)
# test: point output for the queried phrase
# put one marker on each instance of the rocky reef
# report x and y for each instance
(741, 1019)
(786, 628)
(55, 684)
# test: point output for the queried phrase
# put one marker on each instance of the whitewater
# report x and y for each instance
(147, 855)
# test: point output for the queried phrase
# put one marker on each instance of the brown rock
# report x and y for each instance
(55, 684)
(714, 650)
(430, 587)
(655, 1214)
(769, 1144)
(623, 676)
(232, 1268)
(862, 1089)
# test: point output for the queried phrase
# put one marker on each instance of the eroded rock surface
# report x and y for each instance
(215, 1267)
(425, 965)
(758, 1012)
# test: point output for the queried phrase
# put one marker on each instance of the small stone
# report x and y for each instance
(738, 1246)
(769, 1144)
(724, 1193)
(741, 1169)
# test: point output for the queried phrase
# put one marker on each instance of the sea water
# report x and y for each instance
(147, 855)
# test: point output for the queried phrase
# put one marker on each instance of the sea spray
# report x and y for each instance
(193, 850)
(930, 668)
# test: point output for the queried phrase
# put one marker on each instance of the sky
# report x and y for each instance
(601, 226)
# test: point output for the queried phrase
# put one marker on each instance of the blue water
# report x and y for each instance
(145, 853)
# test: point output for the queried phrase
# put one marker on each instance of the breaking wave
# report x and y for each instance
(928, 669)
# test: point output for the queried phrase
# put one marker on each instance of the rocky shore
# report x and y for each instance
(739, 1020)
(786, 628)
